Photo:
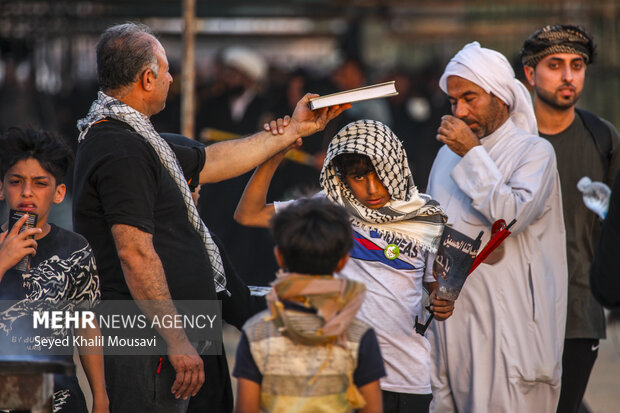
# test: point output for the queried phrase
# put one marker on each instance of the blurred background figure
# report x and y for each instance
(351, 74)
(239, 106)
(236, 106)
(415, 113)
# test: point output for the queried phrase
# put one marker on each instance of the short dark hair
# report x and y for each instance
(123, 52)
(352, 164)
(52, 152)
(313, 235)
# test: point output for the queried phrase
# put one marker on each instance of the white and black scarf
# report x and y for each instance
(108, 107)
(409, 214)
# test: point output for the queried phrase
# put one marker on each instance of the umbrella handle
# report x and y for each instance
(421, 328)
(497, 226)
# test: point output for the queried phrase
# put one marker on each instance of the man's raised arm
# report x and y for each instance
(225, 160)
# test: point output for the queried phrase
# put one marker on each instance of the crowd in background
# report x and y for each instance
(241, 92)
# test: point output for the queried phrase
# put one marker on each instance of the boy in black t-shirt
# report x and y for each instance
(62, 268)
(308, 352)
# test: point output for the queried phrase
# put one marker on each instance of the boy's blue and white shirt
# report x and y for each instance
(411, 221)
(394, 297)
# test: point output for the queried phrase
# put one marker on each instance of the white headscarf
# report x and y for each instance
(491, 71)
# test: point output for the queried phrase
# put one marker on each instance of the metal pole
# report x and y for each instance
(188, 74)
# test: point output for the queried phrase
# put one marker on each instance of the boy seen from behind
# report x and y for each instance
(308, 352)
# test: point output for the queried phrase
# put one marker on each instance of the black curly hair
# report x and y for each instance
(20, 143)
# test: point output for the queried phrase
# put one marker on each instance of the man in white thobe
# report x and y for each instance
(501, 351)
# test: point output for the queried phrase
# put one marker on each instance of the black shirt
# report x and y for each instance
(604, 271)
(119, 179)
(577, 156)
(62, 271)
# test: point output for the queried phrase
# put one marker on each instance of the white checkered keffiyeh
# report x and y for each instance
(108, 107)
(410, 214)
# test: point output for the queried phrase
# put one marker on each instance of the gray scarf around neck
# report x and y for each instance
(107, 107)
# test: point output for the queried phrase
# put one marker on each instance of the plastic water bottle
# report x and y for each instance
(595, 195)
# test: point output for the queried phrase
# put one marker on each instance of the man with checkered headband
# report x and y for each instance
(501, 350)
(554, 60)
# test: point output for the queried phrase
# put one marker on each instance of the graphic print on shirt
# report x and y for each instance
(366, 250)
(56, 280)
(60, 399)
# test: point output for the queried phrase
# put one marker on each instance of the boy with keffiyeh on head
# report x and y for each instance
(395, 235)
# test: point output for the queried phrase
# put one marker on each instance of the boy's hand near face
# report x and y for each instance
(15, 245)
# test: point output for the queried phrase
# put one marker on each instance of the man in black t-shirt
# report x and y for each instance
(132, 202)
(555, 60)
